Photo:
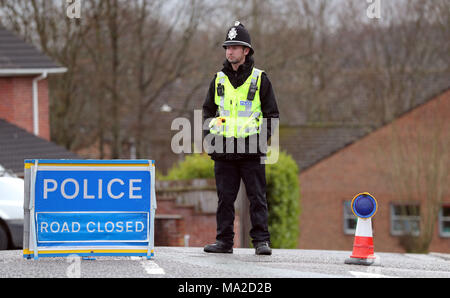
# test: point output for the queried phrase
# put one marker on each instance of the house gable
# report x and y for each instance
(364, 167)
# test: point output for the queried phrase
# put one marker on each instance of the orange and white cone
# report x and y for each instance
(363, 248)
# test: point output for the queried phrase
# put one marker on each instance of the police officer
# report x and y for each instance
(240, 98)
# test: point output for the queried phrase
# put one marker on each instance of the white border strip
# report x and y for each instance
(92, 168)
(33, 236)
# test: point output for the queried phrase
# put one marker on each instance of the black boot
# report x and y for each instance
(263, 248)
(218, 247)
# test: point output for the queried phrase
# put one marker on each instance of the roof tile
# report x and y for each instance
(15, 53)
(16, 145)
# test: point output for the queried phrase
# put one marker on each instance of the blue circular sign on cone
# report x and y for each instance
(364, 205)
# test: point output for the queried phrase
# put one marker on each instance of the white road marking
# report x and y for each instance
(152, 268)
(368, 275)
(149, 266)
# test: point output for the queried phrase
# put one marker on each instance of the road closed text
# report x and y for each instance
(92, 226)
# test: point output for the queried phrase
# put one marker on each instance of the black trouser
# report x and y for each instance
(228, 177)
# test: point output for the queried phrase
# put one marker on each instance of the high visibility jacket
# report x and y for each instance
(239, 109)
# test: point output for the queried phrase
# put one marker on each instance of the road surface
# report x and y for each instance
(192, 262)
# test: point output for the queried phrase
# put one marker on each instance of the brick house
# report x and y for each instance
(24, 104)
(24, 84)
(328, 186)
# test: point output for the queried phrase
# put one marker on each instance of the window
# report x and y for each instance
(349, 219)
(405, 219)
(444, 221)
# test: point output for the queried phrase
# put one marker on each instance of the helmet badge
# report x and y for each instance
(232, 33)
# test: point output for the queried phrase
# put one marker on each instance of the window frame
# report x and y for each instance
(348, 215)
(441, 219)
(404, 218)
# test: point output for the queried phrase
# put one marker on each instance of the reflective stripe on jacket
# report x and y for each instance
(240, 112)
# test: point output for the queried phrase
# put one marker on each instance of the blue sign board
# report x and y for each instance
(91, 207)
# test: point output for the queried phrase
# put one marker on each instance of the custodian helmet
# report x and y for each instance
(238, 35)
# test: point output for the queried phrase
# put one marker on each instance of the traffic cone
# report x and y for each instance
(363, 249)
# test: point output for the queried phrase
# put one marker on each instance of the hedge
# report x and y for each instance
(193, 166)
(283, 194)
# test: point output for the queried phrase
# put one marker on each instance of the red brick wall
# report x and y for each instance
(16, 103)
(200, 226)
(358, 168)
(44, 117)
(169, 231)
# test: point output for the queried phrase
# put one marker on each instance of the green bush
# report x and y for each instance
(193, 166)
(282, 193)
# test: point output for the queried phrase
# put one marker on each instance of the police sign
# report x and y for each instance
(89, 207)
